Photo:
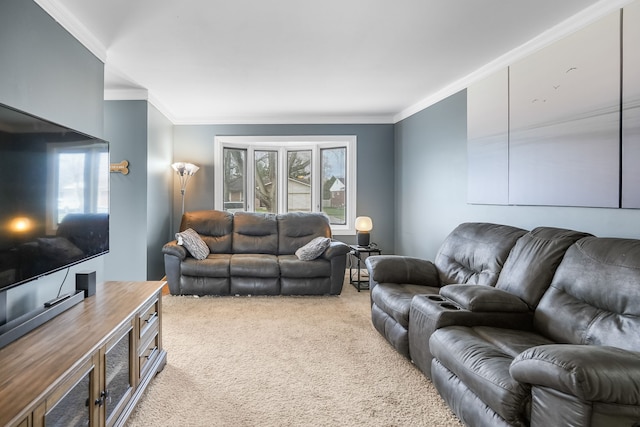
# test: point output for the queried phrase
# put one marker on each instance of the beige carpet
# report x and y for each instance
(283, 361)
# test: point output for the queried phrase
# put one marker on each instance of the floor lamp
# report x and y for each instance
(184, 171)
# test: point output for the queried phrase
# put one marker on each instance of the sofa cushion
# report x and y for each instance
(313, 249)
(292, 267)
(474, 253)
(214, 227)
(254, 265)
(528, 270)
(296, 229)
(395, 299)
(254, 233)
(593, 296)
(215, 265)
(193, 243)
(483, 367)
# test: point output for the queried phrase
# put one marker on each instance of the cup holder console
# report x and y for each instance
(442, 302)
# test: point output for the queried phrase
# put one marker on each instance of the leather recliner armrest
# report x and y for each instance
(173, 248)
(478, 298)
(402, 269)
(335, 249)
(589, 372)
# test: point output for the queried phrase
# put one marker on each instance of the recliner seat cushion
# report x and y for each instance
(395, 299)
(254, 265)
(292, 267)
(215, 265)
(480, 357)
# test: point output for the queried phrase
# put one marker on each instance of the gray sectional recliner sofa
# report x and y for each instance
(518, 328)
(254, 254)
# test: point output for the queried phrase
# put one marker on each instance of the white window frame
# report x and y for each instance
(282, 144)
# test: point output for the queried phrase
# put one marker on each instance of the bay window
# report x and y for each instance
(288, 174)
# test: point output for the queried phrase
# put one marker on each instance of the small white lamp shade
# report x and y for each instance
(364, 223)
(363, 226)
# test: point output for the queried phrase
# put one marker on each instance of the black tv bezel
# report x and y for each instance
(90, 139)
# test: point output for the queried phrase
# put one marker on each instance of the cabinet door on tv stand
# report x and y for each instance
(73, 402)
(119, 376)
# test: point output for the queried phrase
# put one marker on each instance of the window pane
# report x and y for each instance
(70, 184)
(234, 180)
(333, 163)
(299, 181)
(266, 184)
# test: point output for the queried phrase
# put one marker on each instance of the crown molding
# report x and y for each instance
(70, 23)
(563, 29)
(288, 120)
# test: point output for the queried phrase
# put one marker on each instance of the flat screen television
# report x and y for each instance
(54, 193)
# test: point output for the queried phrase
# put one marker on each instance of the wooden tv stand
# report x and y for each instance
(89, 365)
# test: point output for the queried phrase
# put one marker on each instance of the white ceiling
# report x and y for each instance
(303, 61)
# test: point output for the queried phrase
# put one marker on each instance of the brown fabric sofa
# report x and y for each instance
(254, 254)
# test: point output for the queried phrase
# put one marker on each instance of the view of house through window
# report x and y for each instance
(333, 167)
(299, 181)
(234, 179)
(266, 174)
(288, 174)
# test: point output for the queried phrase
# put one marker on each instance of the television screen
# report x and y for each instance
(54, 193)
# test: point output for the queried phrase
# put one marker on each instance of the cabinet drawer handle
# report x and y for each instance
(152, 353)
(152, 317)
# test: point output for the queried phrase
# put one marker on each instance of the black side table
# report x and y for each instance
(359, 254)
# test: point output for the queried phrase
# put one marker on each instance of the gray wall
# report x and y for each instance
(141, 200)
(46, 72)
(159, 190)
(125, 125)
(431, 186)
(374, 161)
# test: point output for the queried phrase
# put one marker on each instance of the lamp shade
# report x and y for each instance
(183, 169)
(364, 223)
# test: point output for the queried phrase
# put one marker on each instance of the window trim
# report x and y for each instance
(282, 144)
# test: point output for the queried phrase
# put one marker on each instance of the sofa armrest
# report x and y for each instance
(588, 372)
(402, 269)
(478, 298)
(173, 248)
(335, 249)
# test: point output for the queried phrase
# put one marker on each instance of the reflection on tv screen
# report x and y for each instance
(54, 189)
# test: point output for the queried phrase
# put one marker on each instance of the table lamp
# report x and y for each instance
(363, 226)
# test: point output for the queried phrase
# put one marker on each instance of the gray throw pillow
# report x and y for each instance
(313, 249)
(193, 243)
